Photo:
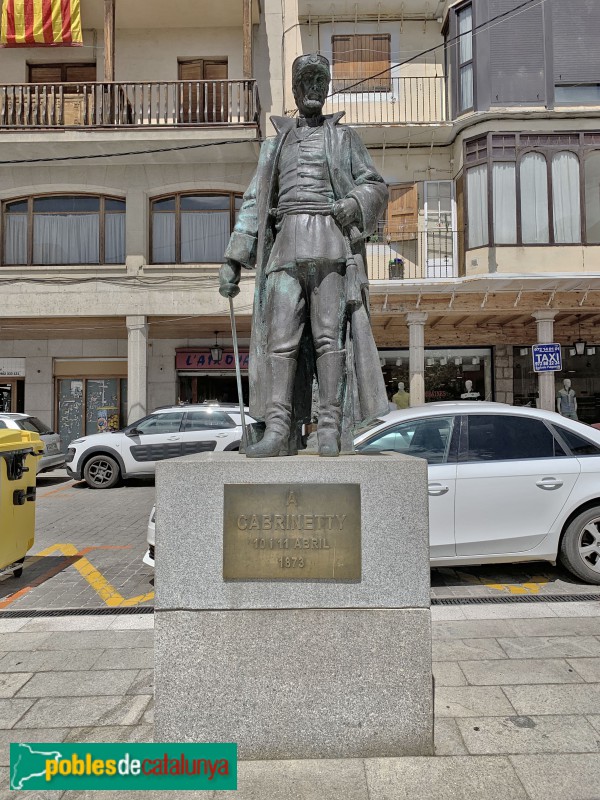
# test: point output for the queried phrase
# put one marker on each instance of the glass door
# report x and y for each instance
(440, 229)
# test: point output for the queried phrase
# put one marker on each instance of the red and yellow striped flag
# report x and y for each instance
(40, 23)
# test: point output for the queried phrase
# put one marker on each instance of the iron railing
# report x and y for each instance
(397, 100)
(414, 255)
(127, 104)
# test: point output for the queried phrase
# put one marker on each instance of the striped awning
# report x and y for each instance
(40, 23)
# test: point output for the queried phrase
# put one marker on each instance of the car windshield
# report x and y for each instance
(34, 425)
(367, 427)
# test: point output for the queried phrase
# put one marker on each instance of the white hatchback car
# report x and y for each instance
(52, 458)
(102, 459)
(506, 484)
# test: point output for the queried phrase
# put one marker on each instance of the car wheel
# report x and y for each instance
(101, 472)
(580, 546)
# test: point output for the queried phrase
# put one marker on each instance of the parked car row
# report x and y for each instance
(53, 457)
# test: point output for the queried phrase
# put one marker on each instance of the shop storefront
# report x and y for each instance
(91, 397)
(201, 378)
(12, 385)
(450, 373)
(583, 371)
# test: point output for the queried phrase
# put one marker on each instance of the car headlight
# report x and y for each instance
(77, 441)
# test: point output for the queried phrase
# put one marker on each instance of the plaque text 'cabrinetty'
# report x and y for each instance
(300, 531)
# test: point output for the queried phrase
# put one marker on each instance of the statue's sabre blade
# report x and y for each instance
(238, 373)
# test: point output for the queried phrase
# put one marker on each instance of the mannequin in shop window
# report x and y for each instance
(402, 397)
(469, 394)
(566, 402)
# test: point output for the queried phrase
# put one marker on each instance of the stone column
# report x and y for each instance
(545, 335)
(137, 366)
(416, 355)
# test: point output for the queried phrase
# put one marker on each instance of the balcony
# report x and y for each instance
(407, 101)
(189, 104)
(418, 255)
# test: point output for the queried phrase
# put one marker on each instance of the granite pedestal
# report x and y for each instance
(294, 668)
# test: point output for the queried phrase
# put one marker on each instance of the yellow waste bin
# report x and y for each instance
(19, 451)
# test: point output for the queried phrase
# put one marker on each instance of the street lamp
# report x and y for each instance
(216, 351)
(580, 344)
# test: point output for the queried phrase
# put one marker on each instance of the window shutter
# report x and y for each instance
(576, 30)
(517, 54)
(80, 73)
(402, 213)
(45, 74)
(359, 57)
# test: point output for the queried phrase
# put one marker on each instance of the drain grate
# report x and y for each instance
(15, 613)
(520, 598)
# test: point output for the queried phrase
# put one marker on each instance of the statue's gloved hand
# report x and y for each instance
(346, 211)
(229, 278)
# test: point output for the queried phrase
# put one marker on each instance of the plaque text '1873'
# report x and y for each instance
(282, 531)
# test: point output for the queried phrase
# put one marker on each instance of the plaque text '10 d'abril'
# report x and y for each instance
(282, 531)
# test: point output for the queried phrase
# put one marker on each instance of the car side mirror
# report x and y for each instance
(134, 432)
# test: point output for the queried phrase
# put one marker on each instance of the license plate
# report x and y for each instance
(52, 448)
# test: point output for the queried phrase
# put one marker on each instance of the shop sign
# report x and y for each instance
(12, 367)
(201, 359)
(547, 357)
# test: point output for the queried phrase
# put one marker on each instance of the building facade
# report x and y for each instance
(123, 163)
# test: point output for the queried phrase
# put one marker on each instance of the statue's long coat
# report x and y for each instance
(352, 175)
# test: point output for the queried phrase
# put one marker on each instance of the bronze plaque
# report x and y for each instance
(291, 532)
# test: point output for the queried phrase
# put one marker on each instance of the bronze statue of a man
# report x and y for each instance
(313, 201)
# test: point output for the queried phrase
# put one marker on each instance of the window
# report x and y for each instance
(465, 58)
(503, 438)
(577, 444)
(577, 93)
(534, 199)
(536, 194)
(160, 423)
(477, 206)
(62, 73)
(64, 229)
(207, 420)
(192, 228)
(427, 438)
(204, 92)
(359, 58)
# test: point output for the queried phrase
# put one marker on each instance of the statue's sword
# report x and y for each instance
(238, 373)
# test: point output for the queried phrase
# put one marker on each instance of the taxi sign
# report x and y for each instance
(547, 357)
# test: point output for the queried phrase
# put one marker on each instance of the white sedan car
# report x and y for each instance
(506, 484)
(53, 457)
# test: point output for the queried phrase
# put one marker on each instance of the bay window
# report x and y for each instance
(534, 199)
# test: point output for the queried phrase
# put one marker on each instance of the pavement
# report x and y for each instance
(517, 706)
(89, 547)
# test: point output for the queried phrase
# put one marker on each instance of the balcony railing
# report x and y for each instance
(419, 255)
(398, 100)
(131, 105)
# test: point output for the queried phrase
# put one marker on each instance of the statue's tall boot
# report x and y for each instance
(330, 371)
(280, 385)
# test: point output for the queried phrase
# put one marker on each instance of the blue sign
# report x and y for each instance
(547, 357)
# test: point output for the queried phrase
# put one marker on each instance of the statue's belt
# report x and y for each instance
(302, 208)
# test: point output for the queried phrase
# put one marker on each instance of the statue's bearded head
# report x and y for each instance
(310, 83)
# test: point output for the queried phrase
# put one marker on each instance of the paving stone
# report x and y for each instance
(8, 625)
(107, 639)
(143, 683)
(589, 609)
(560, 699)
(594, 720)
(448, 778)
(82, 711)
(111, 733)
(21, 640)
(11, 682)
(79, 683)
(511, 611)
(514, 671)
(48, 660)
(466, 649)
(133, 622)
(86, 622)
(447, 613)
(304, 780)
(11, 711)
(471, 701)
(447, 738)
(588, 668)
(475, 628)
(121, 658)
(551, 646)
(528, 734)
(556, 626)
(447, 673)
(32, 735)
(559, 777)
